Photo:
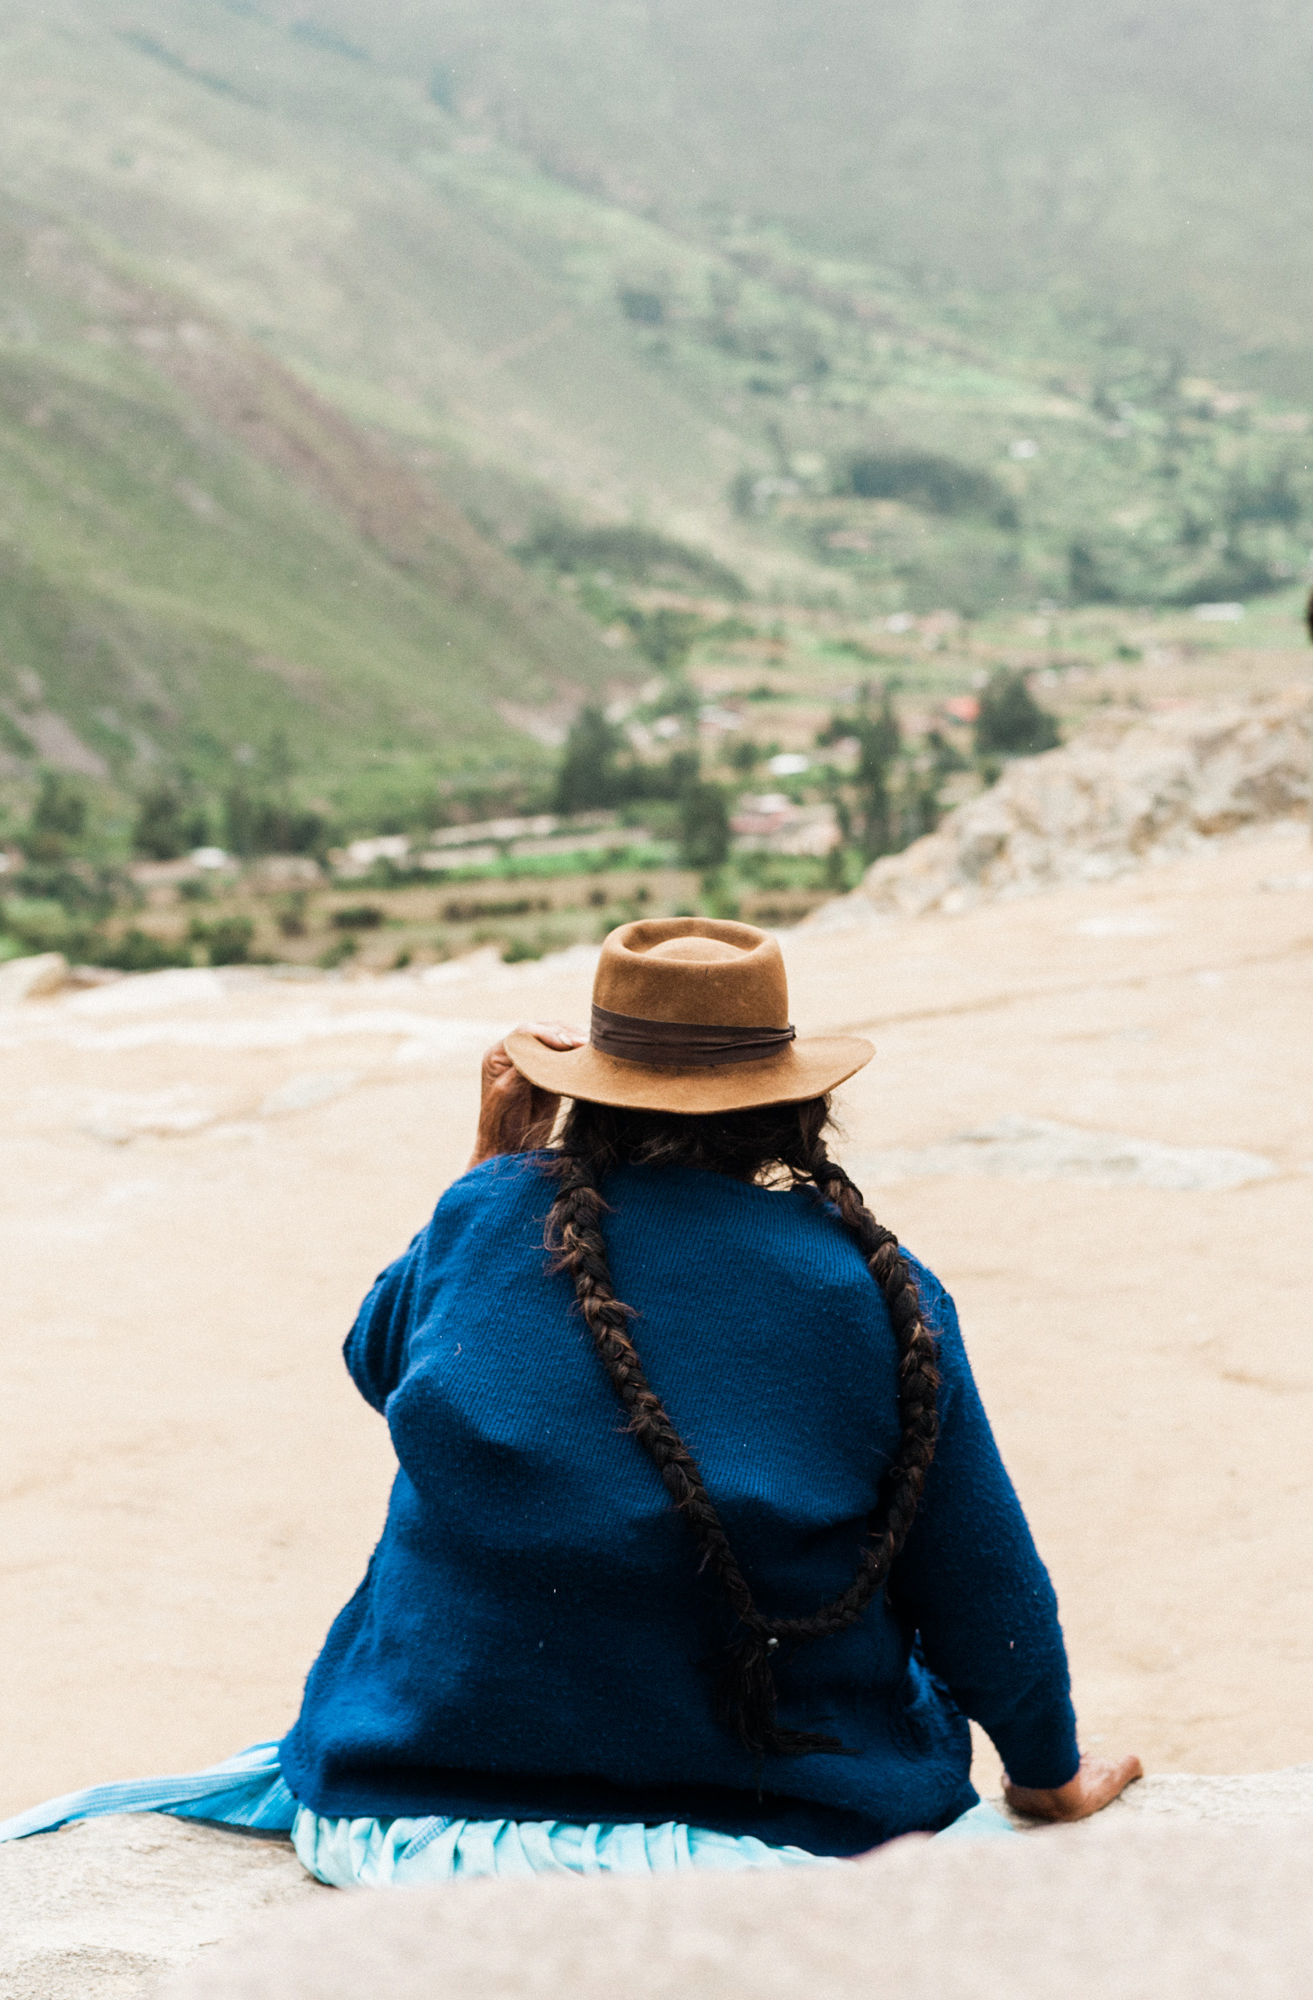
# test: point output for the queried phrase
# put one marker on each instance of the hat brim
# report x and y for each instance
(804, 1069)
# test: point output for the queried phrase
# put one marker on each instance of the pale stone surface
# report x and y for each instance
(1039, 1149)
(1149, 1911)
(1114, 800)
(1247, 1799)
(104, 1910)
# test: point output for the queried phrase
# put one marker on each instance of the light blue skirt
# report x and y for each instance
(248, 1790)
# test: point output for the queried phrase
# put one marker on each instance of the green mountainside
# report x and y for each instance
(1150, 159)
(197, 555)
(198, 552)
(314, 314)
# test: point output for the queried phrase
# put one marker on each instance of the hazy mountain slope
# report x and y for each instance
(196, 552)
(285, 187)
(925, 449)
(530, 344)
(1156, 154)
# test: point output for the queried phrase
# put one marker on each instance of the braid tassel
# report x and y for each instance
(745, 1701)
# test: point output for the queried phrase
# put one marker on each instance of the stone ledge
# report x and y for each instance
(103, 1909)
(1148, 1909)
(110, 1909)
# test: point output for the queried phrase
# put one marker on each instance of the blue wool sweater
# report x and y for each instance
(530, 1640)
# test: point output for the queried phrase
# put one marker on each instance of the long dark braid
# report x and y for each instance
(747, 1145)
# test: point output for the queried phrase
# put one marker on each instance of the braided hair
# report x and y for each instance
(773, 1142)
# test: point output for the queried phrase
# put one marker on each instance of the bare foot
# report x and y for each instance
(1096, 1784)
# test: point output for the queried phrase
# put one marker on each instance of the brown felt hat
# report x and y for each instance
(691, 1015)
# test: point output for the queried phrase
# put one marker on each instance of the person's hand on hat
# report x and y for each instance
(514, 1115)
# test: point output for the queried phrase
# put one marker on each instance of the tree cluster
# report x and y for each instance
(599, 772)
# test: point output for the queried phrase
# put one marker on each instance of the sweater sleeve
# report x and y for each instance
(375, 1349)
(377, 1346)
(971, 1581)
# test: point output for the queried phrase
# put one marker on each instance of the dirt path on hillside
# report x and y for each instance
(203, 1173)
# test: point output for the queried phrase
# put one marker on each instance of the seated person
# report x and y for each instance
(700, 1550)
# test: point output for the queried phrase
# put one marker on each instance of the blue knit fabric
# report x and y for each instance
(531, 1638)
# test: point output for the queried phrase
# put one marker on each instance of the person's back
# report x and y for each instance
(532, 1548)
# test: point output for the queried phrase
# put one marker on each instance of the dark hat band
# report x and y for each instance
(681, 1044)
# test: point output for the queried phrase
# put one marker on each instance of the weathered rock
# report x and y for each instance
(102, 1910)
(32, 978)
(1137, 1911)
(1247, 1798)
(109, 1909)
(1117, 798)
